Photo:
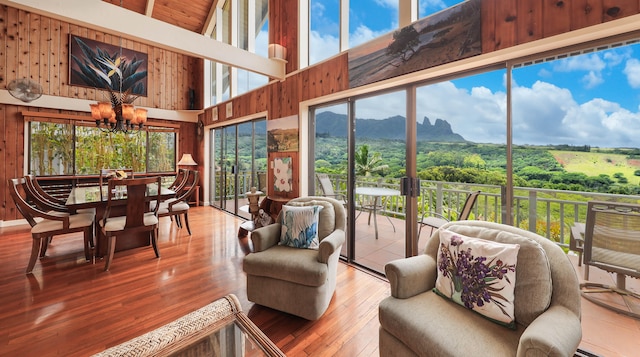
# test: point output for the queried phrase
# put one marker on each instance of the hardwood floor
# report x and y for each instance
(72, 308)
(69, 307)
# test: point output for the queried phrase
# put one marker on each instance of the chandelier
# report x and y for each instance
(118, 75)
(117, 115)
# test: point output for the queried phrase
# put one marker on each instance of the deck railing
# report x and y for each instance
(549, 213)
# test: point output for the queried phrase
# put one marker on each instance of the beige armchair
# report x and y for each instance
(416, 321)
(294, 280)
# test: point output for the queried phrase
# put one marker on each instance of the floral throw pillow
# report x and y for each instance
(300, 226)
(479, 275)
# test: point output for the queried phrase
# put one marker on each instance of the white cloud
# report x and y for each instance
(591, 62)
(632, 71)
(592, 79)
(322, 47)
(317, 9)
(392, 4)
(364, 34)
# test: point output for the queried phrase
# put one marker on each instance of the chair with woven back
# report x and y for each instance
(180, 204)
(45, 225)
(134, 195)
(612, 243)
(436, 220)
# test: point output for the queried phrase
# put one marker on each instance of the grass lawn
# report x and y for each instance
(594, 164)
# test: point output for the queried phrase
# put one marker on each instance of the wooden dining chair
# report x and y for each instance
(180, 204)
(45, 225)
(134, 195)
(107, 174)
(39, 198)
(182, 177)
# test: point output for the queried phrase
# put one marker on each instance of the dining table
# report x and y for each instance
(374, 203)
(87, 197)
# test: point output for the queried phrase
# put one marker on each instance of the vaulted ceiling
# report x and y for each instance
(183, 26)
(193, 15)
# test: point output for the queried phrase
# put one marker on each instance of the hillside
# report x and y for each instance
(330, 124)
(594, 164)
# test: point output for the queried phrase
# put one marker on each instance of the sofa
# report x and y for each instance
(416, 321)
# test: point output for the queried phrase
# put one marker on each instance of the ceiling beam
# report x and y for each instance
(102, 16)
(148, 11)
(210, 22)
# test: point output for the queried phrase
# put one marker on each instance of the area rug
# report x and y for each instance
(585, 353)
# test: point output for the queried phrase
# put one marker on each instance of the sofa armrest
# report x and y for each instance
(265, 237)
(411, 276)
(330, 244)
(556, 332)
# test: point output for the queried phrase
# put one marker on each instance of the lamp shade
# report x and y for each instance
(187, 160)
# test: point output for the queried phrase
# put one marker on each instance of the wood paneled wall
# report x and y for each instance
(283, 29)
(505, 23)
(37, 47)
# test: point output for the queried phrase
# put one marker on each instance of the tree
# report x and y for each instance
(367, 165)
(403, 43)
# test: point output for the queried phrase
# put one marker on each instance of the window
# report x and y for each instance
(246, 27)
(62, 148)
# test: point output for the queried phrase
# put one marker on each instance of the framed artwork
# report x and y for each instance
(282, 174)
(105, 66)
(282, 134)
(453, 33)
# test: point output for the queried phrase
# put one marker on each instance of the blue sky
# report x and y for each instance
(589, 99)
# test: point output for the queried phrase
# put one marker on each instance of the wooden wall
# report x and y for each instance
(505, 23)
(36, 47)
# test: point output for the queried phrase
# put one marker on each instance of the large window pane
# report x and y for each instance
(162, 152)
(370, 19)
(324, 31)
(461, 145)
(51, 149)
(97, 150)
(576, 125)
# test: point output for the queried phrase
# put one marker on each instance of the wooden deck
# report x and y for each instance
(71, 308)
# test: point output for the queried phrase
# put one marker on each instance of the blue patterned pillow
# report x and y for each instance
(300, 226)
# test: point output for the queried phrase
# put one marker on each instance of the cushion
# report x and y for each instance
(300, 226)
(533, 276)
(479, 275)
(327, 218)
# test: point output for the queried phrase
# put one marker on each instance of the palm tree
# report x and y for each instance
(367, 165)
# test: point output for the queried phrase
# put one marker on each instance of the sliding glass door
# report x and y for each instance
(240, 159)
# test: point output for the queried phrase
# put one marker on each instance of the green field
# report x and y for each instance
(594, 164)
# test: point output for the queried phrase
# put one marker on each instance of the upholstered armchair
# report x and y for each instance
(415, 320)
(298, 281)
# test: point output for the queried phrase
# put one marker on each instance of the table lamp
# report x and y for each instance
(187, 160)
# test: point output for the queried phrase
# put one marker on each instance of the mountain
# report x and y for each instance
(335, 125)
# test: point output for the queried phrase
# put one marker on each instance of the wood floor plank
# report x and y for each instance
(72, 308)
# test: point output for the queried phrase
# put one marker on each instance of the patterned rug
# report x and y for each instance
(158, 340)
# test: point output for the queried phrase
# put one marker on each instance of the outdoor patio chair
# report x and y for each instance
(612, 243)
(436, 220)
(327, 189)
